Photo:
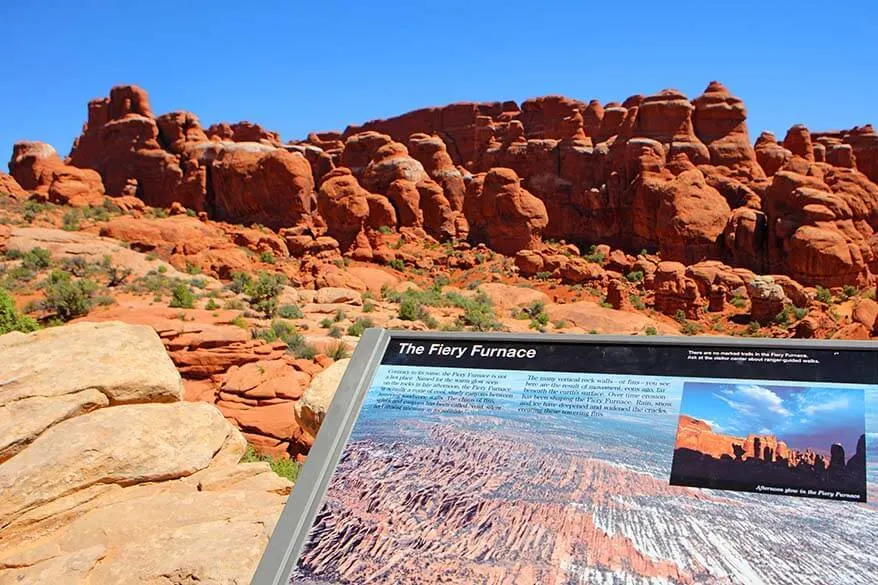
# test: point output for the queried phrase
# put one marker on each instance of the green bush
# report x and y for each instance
(385, 230)
(593, 256)
(823, 295)
(77, 266)
(36, 259)
(738, 302)
(267, 256)
(849, 291)
(70, 221)
(543, 275)
(286, 468)
(636, 301)
(753, 327)
(11, 319)
(651, 330)
(368, 306)
(241, 282)
(66, 297)
(265, 292)
(634, 276)
(295, 341)
(478, 313)
(211, 305)
(397, 264)
(290, 312)
(359, 326)
(335, 332)
(411, 309)
(182, 297)
(339, 351)
(327, 323)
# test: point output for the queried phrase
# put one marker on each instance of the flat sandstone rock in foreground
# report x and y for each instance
(106, 477)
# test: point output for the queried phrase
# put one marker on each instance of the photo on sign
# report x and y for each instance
(806, 441)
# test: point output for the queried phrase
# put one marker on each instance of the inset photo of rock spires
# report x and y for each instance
(794, 441)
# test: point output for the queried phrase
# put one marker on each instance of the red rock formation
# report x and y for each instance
(656, 172)
(720, 122)
(265, 185)
(344, 205)
(243, 132)
(675, 292)
(503, 214)
(767, 299)
(9, 186)
(33, 164)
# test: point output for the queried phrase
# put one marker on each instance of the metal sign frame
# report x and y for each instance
(302, 506)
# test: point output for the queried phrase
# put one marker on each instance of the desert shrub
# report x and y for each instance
(286, 468)
(411, 309)
(335, 331)
(339, 316)
(182, 297)
(634, 276)
(849, 291)
(11, 319)
(651, 330)
(66, 297)
(327, 323)
(239, 321)
(800, 312)
(593, 256)
(478, 313)
(543, 275)
(290, 312)
(77, 266)
(397, 264)
(70, 221)
(636, 301)
(36, 259)
(536, 312)
(385, 230)
(296, 343)
(338, 351)
(265, 291)
(690, 328)
(267, 256)
(738, 301)
(823, 295)
(117, 275)
(359, 326)
(211, 305)
(368, 306)
(32, 210)
(753, 327)
(241, 282)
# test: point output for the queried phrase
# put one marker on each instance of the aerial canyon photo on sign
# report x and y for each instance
(206, 207)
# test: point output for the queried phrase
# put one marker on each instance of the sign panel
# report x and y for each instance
(550, 460)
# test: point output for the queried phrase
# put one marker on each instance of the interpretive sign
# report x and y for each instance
(538, 459)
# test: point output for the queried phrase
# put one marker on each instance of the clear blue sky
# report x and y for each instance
(807, 417)
(296, 66)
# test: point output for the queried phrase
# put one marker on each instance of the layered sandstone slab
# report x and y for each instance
(110, 471)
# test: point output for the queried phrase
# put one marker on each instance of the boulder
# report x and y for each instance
(82, 356)
(76, 187)
(33, 164)
(311, 409)
(101, 488)
(767, 299)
